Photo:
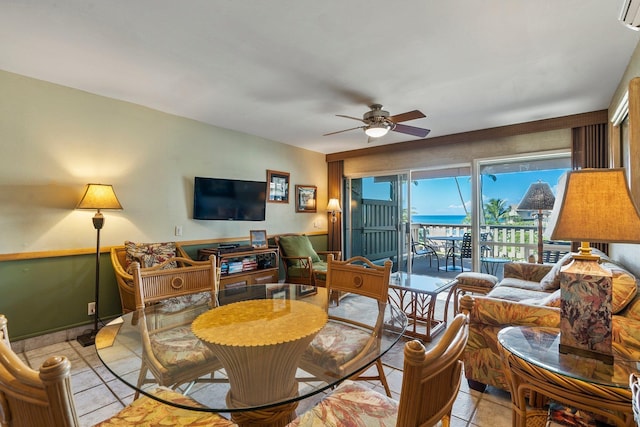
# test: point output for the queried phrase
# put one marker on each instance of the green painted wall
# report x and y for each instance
(45, 295)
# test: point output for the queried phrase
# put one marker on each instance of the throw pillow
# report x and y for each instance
(298, 246)
(551, 281)
(150, 254)
(624, 287)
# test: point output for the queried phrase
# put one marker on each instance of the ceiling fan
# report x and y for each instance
(378, 122)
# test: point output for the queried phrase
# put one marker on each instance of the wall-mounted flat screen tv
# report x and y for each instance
(229, 199)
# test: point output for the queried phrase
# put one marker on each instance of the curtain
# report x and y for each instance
(335, 175)
(590, 149)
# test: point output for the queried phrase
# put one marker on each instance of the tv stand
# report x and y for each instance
(244, 265)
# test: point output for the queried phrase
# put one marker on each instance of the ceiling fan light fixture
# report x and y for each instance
(377, 130)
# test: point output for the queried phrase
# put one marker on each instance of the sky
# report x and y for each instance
(440, 196)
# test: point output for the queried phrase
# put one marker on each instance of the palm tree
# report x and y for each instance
(464, 206)
(495, 210)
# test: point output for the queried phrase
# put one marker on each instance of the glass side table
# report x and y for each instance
(536, 369)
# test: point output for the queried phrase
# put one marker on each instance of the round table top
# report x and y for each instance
(540, 347)
(285, 308)
(259, 322)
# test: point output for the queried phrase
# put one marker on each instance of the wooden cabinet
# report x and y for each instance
(245, 266)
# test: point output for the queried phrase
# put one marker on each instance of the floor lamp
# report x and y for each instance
(97, 196)
(538, 198)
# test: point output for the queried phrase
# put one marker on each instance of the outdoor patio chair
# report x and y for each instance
(425, 249)
(486, 250)
(461, 252)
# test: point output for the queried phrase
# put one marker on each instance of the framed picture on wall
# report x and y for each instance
(258, 238)
(277, 187)
(306, 198)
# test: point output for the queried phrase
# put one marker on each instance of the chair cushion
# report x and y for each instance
(178, 347)
(350, 404)
(298, 246)
(479, 280)
(149, 412)
(336, 344)
(179, 303)
(561, 415)
(297, 271)
(149, 254)
(516, 294)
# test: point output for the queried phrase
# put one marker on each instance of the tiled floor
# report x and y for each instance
(98, 394)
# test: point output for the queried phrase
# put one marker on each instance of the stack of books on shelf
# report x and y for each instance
(235, 267)
(224, 267)
(249, 263)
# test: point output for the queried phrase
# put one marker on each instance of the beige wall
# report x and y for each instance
(55, 140)
(627, 254)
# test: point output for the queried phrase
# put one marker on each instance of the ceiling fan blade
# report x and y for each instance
(409, 115)
(349, 117)
(340, 131)
(411, 130)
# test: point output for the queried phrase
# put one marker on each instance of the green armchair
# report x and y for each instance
(302, 263)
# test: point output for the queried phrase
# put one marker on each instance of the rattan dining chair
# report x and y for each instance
(343, 343)
(180, 290)
(44, 397)
(430, 385)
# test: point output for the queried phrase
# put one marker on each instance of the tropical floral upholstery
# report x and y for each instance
(335, 345)
(176, 304)
(151, 413)
(521, 300)
(350, 405)
(178, 347)
(477, 280)
(150, 254)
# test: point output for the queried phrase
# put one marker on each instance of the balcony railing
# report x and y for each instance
(518, 243)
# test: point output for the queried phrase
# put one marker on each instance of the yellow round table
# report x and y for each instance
(260, 343)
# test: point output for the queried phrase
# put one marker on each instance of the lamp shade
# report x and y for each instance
(99, 196)
(538, 197)
(334, 206)
(595, 206)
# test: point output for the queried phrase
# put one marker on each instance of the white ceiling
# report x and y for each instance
(282, 69)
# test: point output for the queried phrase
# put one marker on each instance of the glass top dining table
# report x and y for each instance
(259, 333)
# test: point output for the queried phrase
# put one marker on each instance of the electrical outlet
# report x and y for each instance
(91, 309)
(178, 231)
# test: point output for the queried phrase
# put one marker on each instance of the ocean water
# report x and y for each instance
(438, 219)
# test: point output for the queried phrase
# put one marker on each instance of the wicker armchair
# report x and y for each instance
(430, 386)
(125, 279)
(44, 397)
(180, 289)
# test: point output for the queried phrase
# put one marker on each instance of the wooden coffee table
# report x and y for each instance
(416, 296)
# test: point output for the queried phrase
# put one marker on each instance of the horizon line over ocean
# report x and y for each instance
(438, 219)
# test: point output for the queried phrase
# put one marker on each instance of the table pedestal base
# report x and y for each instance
(278, 416)
(259, 375)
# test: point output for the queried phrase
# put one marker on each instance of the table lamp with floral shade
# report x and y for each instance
(593, 205)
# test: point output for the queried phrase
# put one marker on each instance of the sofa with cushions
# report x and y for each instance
(529, 295)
